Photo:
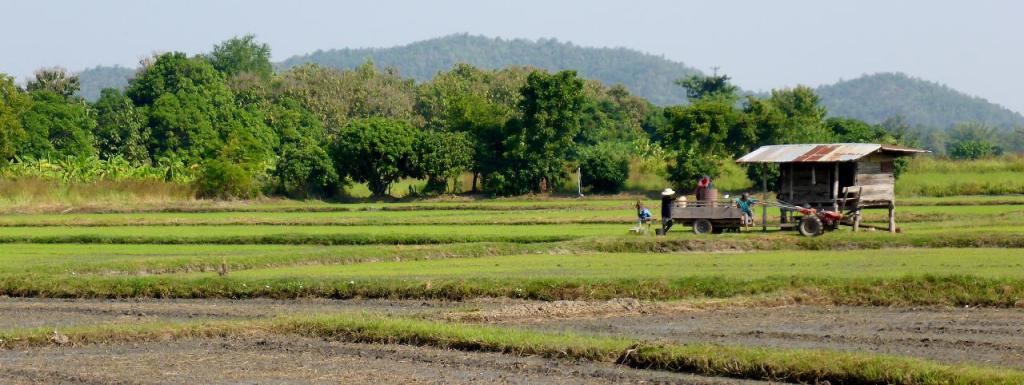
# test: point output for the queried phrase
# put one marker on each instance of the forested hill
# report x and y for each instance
(94, 80)
(646, 75)
(873, 98)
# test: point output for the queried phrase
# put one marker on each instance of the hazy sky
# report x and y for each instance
(975, 46)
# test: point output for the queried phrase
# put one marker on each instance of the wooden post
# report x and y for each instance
(835, 188)
(856, 220)
(892, 217)
(764, 198)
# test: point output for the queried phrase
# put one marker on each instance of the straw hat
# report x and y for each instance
(668, 191)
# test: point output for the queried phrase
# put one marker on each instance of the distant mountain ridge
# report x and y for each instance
(876, 97)
(644, 74)
(871, 98)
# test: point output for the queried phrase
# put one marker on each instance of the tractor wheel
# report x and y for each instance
(811, 226)
(702, 226)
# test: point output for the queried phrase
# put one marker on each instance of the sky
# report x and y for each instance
(974, 46)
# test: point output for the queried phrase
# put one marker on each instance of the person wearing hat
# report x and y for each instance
(667, 196)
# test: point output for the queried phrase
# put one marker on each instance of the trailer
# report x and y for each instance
(708, 217)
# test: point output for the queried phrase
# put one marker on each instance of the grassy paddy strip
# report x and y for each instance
(955, 290)
(913, 214)
(797, 365)
(574, 238)
(104, 259)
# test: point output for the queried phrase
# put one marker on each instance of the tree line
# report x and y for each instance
(243, 129)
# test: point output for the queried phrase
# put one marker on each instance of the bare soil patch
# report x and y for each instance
(297, 360)
(43, 312)
(986, 336)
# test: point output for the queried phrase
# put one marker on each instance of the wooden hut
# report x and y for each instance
(848, 175)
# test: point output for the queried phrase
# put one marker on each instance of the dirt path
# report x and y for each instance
(42, 312)
(953, 335)
(296, 360)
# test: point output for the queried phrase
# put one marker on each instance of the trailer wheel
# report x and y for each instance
(811, 226)
(702, 226)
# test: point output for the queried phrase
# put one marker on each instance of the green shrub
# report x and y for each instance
(305, 169)
(219, 178)
(604, 169)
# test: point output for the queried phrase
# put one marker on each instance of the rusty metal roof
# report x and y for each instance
(801, 153)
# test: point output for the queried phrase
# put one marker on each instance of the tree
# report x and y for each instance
(57, 127)
(56, 80)
(538, 144)
(339, 96)
(194, 115)
(698, 135)
(242, 54)
(605, 168)
(304, 169)
(477, 102)
(973, 149)
(789, 116)
(849, 130)
(704, 87)
(375, 151)
(13, 103)
(441, 156)
(121, 128)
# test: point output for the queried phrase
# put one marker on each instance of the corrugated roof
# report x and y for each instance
(800, 153)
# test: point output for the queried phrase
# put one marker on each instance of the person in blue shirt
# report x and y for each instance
(744, 202)
(643, 215)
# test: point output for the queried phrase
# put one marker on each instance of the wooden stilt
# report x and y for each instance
(892, 217)
(764, 198)
(856, 220)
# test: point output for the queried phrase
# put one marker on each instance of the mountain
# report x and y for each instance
(94, 80)
(873, 98)
(647, 75)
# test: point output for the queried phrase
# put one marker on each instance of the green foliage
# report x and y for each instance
(242, 54)
(855, 131)
(13, 103)
(973, 149)
(55, 80)
(91, 169)
(441, 156)
(698, 135)
(193, 114)
(171, 73)
(57, 127)
(376, 151)
(339, 96)
(708, 87)
(788, 116)
(121, 128)
(219, 178)
(305, 169)
(537, 144)
(605, 168)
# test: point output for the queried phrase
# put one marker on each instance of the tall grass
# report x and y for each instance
(942, 177)
(33, 194)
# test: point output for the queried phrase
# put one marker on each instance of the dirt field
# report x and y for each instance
(954, 335)
(297, 360)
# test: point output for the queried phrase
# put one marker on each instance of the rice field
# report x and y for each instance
(470, 259)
